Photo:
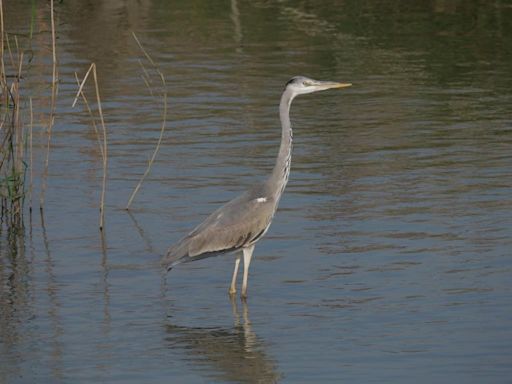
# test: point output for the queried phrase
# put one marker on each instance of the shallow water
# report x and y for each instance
(389, 259)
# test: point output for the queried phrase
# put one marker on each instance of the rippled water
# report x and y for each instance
(389, 259)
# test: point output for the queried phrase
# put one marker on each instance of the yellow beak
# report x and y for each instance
(322, 85)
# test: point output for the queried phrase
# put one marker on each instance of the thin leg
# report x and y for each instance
(232, 288)
(247, 261)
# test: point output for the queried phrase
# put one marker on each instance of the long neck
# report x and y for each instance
(281, 170)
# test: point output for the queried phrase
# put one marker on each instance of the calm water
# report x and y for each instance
(389, 259)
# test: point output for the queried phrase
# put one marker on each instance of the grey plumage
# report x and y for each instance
(238, 223)
(241, 222)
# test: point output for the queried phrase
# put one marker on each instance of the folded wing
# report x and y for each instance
(238, 223)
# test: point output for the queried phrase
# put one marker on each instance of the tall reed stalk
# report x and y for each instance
(51, 117)
(31, 154)
(102, 142)
(147, 81)
(2, 64)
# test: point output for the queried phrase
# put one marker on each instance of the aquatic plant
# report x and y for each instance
(13, 138)
(146, 79)
(16, 157)
(102, 142)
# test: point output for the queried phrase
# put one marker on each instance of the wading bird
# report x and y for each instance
(240, 223)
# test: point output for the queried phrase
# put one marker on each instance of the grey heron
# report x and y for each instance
(240, 223)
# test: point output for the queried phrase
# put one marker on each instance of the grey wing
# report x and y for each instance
(238, 223)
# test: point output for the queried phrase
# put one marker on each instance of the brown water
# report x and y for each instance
(389, 259)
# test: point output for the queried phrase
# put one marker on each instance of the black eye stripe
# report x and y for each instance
(298, 80)
(292, 80)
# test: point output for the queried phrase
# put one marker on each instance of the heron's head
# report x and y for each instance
(300, 85)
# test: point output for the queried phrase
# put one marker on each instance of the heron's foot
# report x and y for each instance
(243, 296)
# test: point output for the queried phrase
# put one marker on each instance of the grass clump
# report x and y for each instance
(13, 136)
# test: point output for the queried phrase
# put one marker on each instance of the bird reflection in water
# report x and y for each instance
(234, 354)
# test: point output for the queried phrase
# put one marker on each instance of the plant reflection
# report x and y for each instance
(15, 288)
(52, 289)
(236, 354)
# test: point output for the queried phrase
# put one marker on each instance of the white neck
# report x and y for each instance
(281, 171)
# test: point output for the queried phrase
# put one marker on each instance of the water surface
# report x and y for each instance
(389, 258)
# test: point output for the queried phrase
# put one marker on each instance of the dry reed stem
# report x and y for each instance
(3, 78)
(105, 158)
(19, 132)
(143, 50)
(103, 146)
(164, 121)
(9, 51)
(91, 115)
(17, 145)
(147, 86)
(31, 154)
(146, 78)
(2, 66)
(51, 119)
(82, 85)
(16, 44)
(145, 71)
